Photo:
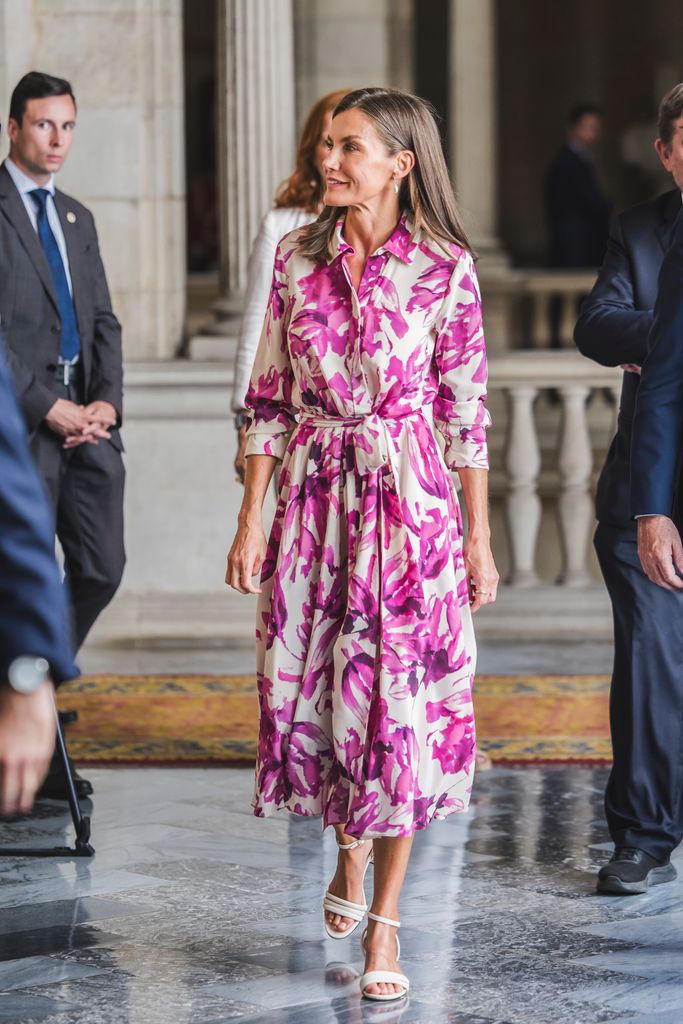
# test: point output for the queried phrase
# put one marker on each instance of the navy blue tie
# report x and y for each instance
(70, 342)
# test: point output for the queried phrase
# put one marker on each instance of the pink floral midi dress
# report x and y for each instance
(365, 647)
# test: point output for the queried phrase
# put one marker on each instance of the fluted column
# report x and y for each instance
(472, 119)
(256, 130)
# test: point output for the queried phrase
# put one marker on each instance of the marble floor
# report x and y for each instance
(194, 911)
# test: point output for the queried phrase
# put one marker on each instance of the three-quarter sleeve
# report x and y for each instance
(460, 413)
(269, 398)
(259, 273)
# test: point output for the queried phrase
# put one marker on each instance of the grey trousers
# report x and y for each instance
(85, 489)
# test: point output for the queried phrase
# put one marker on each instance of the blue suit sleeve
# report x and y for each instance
(610, 330)
(33, 609)
(658, 422)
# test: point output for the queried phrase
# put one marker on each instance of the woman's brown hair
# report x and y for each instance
(304, 188)
(402, 121)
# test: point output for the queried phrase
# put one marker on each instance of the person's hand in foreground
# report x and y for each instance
(27, 740)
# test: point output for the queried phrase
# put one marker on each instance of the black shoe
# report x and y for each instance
(67, 718)
(632, 871)
(54, 787)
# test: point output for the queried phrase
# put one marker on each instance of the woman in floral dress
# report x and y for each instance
(372, 344)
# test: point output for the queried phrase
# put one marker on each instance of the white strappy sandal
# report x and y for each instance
(345, 908)
(388, 977)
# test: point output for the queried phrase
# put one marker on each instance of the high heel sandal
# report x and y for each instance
(387, 977)
(345, 908)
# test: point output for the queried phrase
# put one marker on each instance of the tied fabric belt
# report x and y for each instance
(380, 554)
(372, 441)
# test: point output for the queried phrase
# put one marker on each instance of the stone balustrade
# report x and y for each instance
(532, 308)
(552, 424)
(564, 289)
(544, 446)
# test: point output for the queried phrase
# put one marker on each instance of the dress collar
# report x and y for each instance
(399, 244)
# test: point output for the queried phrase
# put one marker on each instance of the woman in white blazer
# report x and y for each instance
(298, 201)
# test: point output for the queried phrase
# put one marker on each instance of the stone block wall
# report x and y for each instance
(124, 60)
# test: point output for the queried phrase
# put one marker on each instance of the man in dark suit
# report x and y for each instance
(64, 347)
(34, 648)
(576, 207)
(642, 801)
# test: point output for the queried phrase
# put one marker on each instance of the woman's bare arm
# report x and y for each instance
(249, 546)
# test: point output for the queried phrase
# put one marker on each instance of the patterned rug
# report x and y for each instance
(212, 719)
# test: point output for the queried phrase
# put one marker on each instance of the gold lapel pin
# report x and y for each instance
(71, 217)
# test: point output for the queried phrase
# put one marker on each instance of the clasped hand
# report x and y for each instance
(81, 424)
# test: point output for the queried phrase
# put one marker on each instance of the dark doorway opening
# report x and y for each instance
(199, 41)
(431, 62)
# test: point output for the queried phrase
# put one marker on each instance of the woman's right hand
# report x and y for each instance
(246, 555)
(240, 458)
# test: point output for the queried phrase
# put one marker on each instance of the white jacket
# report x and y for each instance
(274, 225)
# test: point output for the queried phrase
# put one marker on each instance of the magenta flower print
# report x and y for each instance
(365, 647)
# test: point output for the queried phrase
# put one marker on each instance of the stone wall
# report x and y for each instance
(124, 60)
(360, 42)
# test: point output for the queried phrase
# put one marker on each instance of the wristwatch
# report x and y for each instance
(27, 674)
(241, 420)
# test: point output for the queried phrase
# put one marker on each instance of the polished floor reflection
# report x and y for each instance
(193, 911)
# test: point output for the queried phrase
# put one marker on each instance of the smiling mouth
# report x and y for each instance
(335, 181)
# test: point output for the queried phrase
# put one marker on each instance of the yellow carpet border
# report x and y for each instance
(202, 718)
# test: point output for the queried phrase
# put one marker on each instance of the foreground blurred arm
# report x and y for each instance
(33, 611)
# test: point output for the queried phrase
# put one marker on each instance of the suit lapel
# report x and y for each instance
(666, 226)
(13, 207)
(73, 250)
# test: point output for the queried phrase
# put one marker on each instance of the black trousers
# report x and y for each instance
(644, 799)
(85, 488)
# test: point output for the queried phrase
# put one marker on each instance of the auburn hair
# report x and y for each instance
(402, 121)
(304, 187)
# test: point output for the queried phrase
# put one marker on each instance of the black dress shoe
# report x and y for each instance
(67, 718)
(632, 871)
(55, 788)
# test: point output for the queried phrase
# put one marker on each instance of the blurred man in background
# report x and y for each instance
(642, 802)
(64, 348)
(577, 209)
(34, 628)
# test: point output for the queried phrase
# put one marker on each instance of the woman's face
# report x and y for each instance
(321, 149)
(357, 167)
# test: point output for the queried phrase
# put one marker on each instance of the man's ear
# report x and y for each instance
(664, 153)
(13, 128)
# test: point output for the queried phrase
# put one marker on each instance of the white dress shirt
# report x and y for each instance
(274, 225)
(25, 185)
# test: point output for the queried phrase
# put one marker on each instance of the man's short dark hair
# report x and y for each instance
(670, 111)
(36, 85)
(582, 110)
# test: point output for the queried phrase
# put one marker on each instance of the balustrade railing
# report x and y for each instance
(543, 452)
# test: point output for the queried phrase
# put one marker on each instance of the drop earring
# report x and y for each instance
(395, 186)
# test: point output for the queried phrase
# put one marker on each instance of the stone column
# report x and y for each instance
(256, 139)
(472, 121)
(125, 64)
